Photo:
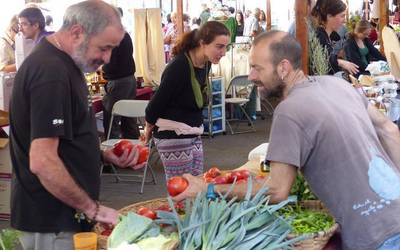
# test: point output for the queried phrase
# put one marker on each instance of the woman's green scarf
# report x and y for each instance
(198, 94)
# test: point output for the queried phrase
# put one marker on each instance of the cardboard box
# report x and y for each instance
(5, 195)
(4, 118)
(5, 159)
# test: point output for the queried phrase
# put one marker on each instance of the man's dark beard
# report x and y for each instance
(276, 92)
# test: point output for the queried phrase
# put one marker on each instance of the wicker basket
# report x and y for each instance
(152, 204)
(318, 240)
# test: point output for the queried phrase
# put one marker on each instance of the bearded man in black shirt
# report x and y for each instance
(54, 143)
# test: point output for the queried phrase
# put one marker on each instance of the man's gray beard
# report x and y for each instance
(79, 58)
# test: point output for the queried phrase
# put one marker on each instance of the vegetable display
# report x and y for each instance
(301, 189)
(216, 176)
(136, 232)
(230, 224)
(307, 221)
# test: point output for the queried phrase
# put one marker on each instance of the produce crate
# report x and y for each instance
(152, 204)
(318, 240)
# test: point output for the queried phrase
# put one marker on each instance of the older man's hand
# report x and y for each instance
(127, 159)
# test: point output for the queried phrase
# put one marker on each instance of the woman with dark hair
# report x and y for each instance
(359, 49)
(174, 114)
(329, 17)
(240, 23)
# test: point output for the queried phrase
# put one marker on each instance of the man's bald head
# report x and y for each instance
(279, 45)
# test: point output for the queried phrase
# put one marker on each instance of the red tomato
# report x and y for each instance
(106, 232)
(208, 179)
(164, 208)
(143, 154)
(146, 212)
(244, 173)
(213, 172)
(180, 205)
(176, 185)
(222, 179)
(230, 177)
(236, 175)
(121, 146)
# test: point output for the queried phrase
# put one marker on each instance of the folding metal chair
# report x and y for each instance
(132, 109)
(239, 90)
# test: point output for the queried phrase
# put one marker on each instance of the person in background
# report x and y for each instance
(32, 24)
(240, 23)
(195, 23)
(262, 21)
(174, 114)
(247, 14)
(54, 143)
(205, 14)
(121, 85)
(330, 16)
(251, 24)
(354, 172)
(168, 24)
(7, 47)
(359, 49)
(49, 23)
(373, 34)
(171, 35)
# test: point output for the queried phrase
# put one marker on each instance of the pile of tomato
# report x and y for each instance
(216, 176)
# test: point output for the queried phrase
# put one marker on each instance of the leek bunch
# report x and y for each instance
(231, 224)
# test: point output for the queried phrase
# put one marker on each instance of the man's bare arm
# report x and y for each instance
(388, 133)
(48, 167)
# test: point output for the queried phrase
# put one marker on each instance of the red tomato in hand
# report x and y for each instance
(147, 212)
(222, 179)
(176, 185)
(244, 173)
(236, 175)
(121, 146)
(143, 154)
(213, 172)
(106, 232)
(208, 179)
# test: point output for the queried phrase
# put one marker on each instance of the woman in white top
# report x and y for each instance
(7, 47)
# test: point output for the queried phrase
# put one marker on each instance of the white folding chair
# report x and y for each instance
(132, 109)
(239, 90)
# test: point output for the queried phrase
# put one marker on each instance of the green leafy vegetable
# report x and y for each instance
(9, 239)
(132, 228)
(301, 189)
(307, 221)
